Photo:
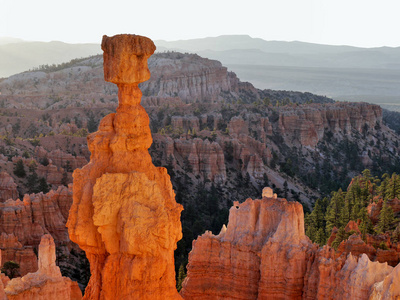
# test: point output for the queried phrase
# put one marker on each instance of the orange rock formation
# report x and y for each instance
(23, 223)
(264, 254)
(124, 214)
(47, 283)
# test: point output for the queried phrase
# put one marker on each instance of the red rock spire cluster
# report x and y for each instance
(124, 214)
(265, 254)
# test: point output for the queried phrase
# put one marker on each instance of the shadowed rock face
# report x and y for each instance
(124, 213)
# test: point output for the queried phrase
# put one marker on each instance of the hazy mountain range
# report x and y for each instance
(341, 72)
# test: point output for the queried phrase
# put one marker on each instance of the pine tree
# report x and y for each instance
(285, 189)
(386, 218)
(43, 186)
(11, 269)
(340, 236)
(181, 277)
(320, 237)
(310, 225)
(393, 186)
(315, 222)
(91, 124)
(64, 179)
(345, 213)
(366, 224)
(33, 182)
(383, 188)
(265, 180)
(333, 212)
(19, 169)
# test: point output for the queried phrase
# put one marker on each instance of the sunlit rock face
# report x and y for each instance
(124, 214)
(263, 253)
(45, 284)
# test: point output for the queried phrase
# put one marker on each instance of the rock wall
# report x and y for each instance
(264, 254)
(307, 124)
(124, 215)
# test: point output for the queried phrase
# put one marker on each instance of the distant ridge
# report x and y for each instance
(18, 56)
(234, 49)
(230, 42)
(9, 40)
(341, 72)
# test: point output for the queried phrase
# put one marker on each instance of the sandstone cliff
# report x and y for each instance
(264, 254)
(45, 284)
(307, 125)
(124, 215)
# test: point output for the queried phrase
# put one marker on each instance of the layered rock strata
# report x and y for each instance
(264, 254)
(45, 284)
(124, 214)
(23, 223)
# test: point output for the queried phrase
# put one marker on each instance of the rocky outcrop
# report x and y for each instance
(377, 247)
(8, 188)
(374, 208)
(23, 223)
(47, 282)
(341, 278)
(264, 254)
(36, 215)
(200, 157)
(307, 124)
(389, 288)
(124, 215)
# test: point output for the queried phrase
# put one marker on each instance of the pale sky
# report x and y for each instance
(363, 23)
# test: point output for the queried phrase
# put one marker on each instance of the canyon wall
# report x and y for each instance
(308, 124)
(189, 77)
(124, 214)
